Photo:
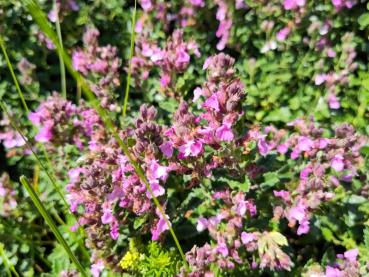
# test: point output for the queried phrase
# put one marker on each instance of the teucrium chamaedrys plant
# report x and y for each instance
(200, 157)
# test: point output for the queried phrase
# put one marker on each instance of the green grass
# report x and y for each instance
(41, 208)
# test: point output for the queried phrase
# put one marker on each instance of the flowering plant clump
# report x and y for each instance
(228, 138)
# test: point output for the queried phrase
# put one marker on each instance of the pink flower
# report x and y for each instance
(161, 226)
(303, 227)
(146, 5)
(157, 189)
(320, 79)
(284, 194)
(165, 80)
(304, 174)
(202, 224)
(158, 171)
(182, 58)
(247, 237)
(97, 267)
(323, 143)
(191, 148)
(333, 272)
(351, 255)
(35, 118)
(224, 133)
(293, 4)
(212, 102)
(263, 147)
(282, 148)
(283, 34)
(196, 94)
(107, 217)
(167, 149)
(45, 133)
(198, 3)
(333, 102)
(304, 144)
(114, 231)
(222, 249)
(337, 162)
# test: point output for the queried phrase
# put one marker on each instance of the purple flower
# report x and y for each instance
(351, 255)
(202, 224)
(158, 171)
(224, 133)
(196, 94)
(45, 133)
(97, 267)
(161, 226)
(283, 34)
(303, 227)
(198, 3)
(212, 103)
(284, 194)
(167, 149)
(333, 102)
(293, 4)
(165, 80)
(337, 162)
(282, 148)
(304, 144)
(35, 118)
(157, 189)
(333, 272)
(323, 143)
(247, 237)
(263, 147)
(320, 79)
(191, 148)
(222, 249)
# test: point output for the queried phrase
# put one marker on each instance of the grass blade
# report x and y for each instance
(40, 18)
(61, 61)
(41, 208)
(3, 49)
(5, 261)
(128, 82)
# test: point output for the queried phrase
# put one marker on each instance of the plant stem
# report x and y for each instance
(128, 82)
(61, 61)
(13, 75)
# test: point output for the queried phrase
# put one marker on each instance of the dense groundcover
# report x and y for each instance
(184, 138)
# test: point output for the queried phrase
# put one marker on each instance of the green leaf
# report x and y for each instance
(363, 20)
(169, 105)
(327, 234)
(243, 186)
(271, 179)
(365, 150)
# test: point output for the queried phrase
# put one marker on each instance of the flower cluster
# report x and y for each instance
(108, 189)
(60, 121)
(9, 137)
(172, 60)
(328, 161)
(101, 65)
(334, 79)
(26, 69)
(109, 197)
(233, 245)
(8, 196)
